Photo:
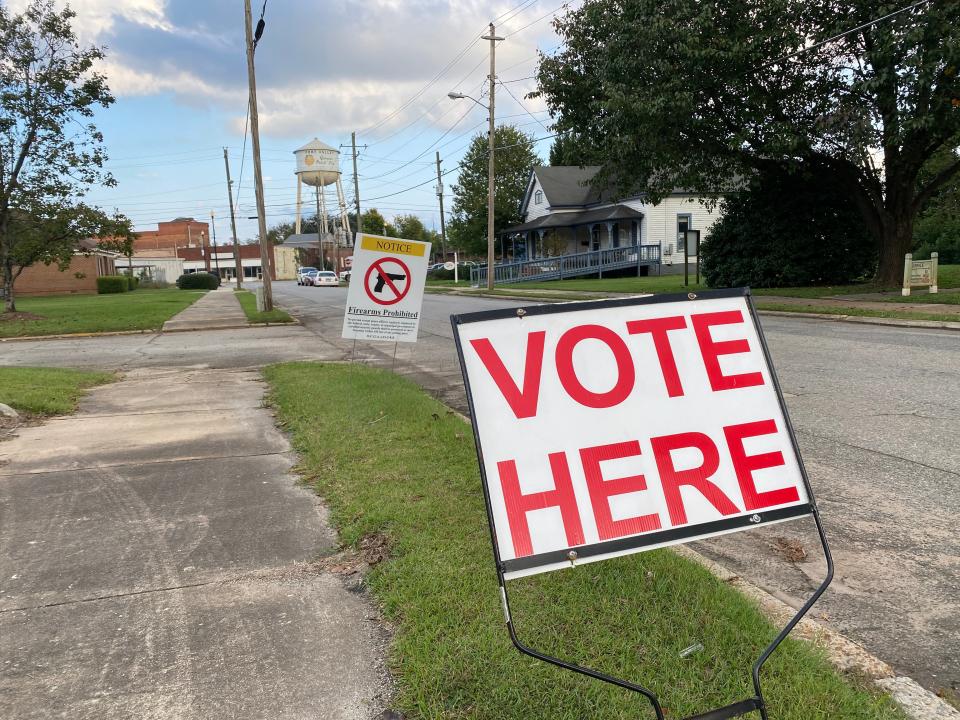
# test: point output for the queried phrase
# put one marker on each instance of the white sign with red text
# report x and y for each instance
(615, 427)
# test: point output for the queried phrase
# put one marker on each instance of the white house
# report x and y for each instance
(562, 215)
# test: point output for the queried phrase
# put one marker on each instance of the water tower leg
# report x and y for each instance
(299, 204)
(323, 207)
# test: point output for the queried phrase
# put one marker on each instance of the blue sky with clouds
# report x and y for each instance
(325, 68)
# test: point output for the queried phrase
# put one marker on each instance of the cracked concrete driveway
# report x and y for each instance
(157, 564)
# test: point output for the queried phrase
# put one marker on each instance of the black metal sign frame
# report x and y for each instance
(737, 709)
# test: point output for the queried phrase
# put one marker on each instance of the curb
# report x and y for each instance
(867, 320)
(74, 336)
(846, 655)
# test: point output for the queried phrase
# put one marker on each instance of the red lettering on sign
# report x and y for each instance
(711, 350)
(568, 376)
(518, 504)
(602, 489)
(658, 329)
(745, 465)
(671, 479)
(522, 402)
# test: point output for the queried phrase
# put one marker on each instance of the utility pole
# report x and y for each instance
(492, 37)
(265, 263)
(443, 227)
(356, 184)
(233, 224)
(213, 231)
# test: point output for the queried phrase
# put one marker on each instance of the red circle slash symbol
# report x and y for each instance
(382, 279)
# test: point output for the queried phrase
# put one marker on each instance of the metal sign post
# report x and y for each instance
(632, 381)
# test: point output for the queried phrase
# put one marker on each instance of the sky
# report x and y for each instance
(380, 68)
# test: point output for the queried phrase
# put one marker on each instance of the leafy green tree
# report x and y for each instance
(373, 222)
(573, 149)
(515, 158)
(683, 93)
(50, 152)
(784, 230)
(938, 225)
(411, 227)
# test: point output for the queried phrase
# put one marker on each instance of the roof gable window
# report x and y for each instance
(538, 197)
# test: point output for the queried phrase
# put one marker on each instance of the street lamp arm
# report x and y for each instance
(461, 96)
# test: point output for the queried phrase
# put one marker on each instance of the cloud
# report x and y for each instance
(322, 68)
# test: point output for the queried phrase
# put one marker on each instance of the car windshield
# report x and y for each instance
(327, 274)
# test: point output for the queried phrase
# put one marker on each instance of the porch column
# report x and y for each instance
(610, 234)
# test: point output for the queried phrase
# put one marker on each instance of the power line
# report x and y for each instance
(524, 107)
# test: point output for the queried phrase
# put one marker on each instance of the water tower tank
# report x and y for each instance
(318, 163)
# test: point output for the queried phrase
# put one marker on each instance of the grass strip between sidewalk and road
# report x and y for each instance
(248, 301)
(46, 391)
(65, 314)
(395, 465)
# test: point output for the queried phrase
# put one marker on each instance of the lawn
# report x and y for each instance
(949, 277)
(407, 479)
(64, 314)
(46, 391)
(248, 301)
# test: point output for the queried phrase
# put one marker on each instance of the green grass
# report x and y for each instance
(46, 391)
(248, 301)
(409, 475)
(858, 312)
(64, 314)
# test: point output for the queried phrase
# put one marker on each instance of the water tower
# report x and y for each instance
(318, 165)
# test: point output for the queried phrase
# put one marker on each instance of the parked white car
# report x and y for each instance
(325, 277)
(304, 275)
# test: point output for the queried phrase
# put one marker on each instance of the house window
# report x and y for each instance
(684, 223)
(538, 197)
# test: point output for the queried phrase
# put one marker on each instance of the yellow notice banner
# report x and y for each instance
(394, 246)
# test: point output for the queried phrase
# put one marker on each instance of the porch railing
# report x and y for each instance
(595, 262)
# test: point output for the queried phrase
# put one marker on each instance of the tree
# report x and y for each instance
(50, 153)
(682, 93)
(938, 225)
(785, 231)
(573, 149)
(373, 222)
(411, 227)
(515, 158)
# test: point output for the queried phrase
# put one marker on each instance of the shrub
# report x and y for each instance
(112, 284)
(132, 282)
(198, 281)
(787, 231)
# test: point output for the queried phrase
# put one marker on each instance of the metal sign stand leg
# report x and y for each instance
(737, 709)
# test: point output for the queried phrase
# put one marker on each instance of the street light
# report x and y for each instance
(490, 253)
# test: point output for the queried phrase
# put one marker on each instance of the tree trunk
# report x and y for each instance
(8, 303)
(896, 241)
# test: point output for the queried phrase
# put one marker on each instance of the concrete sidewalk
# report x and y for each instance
(159, 561)
(217, 310)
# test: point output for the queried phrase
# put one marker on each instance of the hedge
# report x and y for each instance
(198, 281)
(133, 282)
(107, 284)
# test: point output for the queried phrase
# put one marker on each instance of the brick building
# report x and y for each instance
(80, 277)
(182, 232)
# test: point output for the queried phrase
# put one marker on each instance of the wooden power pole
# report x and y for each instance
(491, 269)
(356, 183)
(265, 250)
(233, 224)
(443, 227)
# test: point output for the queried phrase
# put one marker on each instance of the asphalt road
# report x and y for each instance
(875, 410)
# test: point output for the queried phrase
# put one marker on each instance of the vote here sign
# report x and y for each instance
(613, 427)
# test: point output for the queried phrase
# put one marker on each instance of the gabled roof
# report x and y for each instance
(569, 185)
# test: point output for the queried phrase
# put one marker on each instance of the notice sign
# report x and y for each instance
(386, 292)
(613, 427)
